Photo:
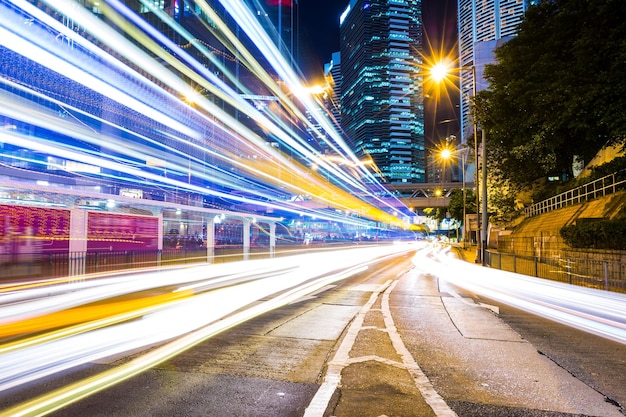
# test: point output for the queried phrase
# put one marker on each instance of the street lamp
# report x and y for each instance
(446, 154)
(438, 73)
(482, 251)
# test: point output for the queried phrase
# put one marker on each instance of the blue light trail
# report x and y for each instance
(142, 109)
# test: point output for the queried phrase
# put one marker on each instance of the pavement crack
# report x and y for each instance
(445, 308)
(606, 397)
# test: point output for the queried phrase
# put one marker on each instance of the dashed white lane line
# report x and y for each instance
(332, 379)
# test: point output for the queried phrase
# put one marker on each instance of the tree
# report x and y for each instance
(502, 203)
(558, 90)
(455, 207)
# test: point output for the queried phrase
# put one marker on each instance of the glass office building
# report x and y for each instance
(381, 94)
(483, 26)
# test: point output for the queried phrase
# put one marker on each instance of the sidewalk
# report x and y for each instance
(467, 253)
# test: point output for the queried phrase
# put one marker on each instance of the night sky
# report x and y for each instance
(319, 34)
(319, 38)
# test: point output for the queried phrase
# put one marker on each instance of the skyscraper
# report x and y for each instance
(332, 102)
(381, 96)
(279, 19)
(483, 26)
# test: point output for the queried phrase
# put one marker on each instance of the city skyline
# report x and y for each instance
(319, 20)
(168, 118)
(440, 34)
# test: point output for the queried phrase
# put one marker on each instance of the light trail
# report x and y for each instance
(60, 62)
(233, 97)
(599, 312)
(185, 321)
(196, 138)
(67, 395)
(21, 302)
(83, 314)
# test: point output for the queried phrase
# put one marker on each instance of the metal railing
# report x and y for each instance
(592, 190)
(545, 245)
(603, 275)
(54, 265)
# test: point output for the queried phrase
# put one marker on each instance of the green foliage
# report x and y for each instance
(543, 189)
(558, 91)
(546, 190)
(596, 234)
(455, 206)
(501, 203)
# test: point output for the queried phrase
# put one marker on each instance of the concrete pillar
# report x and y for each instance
(78, 242)
(160, 232)
(272, 239)
(160, 238)
(210, 239)
(246, 238)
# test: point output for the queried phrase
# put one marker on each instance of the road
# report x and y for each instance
(394, 339)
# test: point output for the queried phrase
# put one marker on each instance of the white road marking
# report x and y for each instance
(320, 401)
(332, 379)
(456, 295)
(422, 383)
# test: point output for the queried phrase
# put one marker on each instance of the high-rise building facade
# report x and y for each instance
(381, 97)
(332, 98)
(483, 26)
(279, 19)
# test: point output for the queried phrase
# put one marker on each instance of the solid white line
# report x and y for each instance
(422, 383)
(322, 398)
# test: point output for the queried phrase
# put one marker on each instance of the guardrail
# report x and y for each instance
(54, 265)
(604, 275)
(594, 189)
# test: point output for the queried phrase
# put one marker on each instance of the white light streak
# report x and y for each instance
(599, 312)
(234, 286)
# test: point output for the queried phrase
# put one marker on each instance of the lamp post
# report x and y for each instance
(485, 222)
(481, 249)
(445, 154)
(463, 157)
(440, 72)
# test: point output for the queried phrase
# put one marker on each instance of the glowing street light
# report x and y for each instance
(447, 154)
(440, 72)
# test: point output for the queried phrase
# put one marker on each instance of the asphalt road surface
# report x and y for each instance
(393, 340)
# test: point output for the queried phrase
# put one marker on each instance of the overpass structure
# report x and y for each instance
(412, 195)
(425, 195)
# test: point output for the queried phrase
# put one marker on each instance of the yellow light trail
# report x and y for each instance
(87, 313)
(279, 282)
(72, 393)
